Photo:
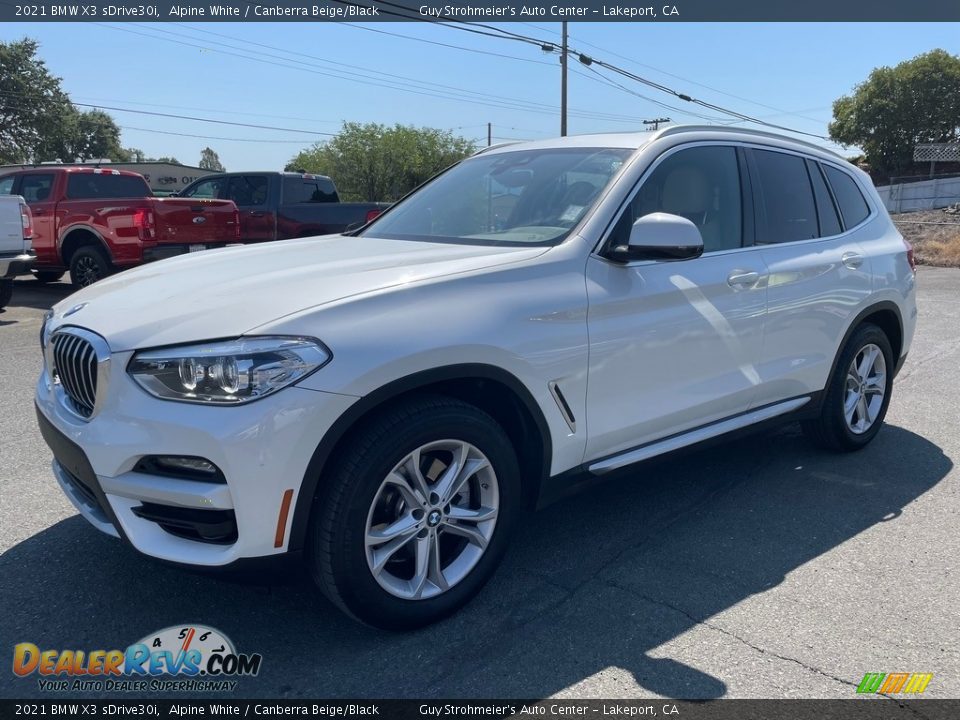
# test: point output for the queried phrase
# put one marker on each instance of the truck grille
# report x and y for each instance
(76, 363)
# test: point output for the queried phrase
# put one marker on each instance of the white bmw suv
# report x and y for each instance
(389, 403)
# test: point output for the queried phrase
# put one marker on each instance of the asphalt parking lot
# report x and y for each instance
(762, 568)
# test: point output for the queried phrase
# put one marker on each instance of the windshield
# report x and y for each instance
(525, 197)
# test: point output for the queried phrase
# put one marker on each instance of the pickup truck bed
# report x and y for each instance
(281, 205)
(16, 254)
(94, 221)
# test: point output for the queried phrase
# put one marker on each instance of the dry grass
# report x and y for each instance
(937, 245)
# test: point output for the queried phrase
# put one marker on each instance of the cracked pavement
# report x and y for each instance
(760, 568)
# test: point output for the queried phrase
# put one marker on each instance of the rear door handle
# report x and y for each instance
(743, 279)
(257, 213)
(852, 260)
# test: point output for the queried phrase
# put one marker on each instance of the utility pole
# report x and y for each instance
(563, 83)
(656, 122)
(489, 134)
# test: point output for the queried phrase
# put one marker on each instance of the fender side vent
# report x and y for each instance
(563, 405)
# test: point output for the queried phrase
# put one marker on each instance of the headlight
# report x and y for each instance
(43, 329)
(229, 372)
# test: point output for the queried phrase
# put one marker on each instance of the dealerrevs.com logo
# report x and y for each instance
(185, 658)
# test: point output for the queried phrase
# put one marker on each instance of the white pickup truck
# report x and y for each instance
(16, 236)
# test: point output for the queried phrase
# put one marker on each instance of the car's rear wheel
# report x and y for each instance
(415, 514)
(47, 276)
(856, 400)
(88, 265)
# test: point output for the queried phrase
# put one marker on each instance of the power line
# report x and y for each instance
(588, 60)
(684, 79)
(210, 137)
(614, 84)
(458, 94)
(442, 44)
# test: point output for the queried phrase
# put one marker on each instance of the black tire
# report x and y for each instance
(88, 265)
(336, 552)
(830, 429)
(47, 276)
(6, 293)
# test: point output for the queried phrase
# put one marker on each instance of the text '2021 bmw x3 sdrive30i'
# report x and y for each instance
(390, 402)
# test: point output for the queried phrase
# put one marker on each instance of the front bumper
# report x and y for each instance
(262, 448)
(13, 265)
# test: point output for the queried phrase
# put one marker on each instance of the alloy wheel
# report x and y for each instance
(86, 271)
(431, 519)
(865, 389)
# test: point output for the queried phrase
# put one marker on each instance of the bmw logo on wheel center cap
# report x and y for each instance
(434, 518)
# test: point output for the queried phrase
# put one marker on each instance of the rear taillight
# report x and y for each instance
(236, 224)
(910, 258)
(26, 218)
(373, 214)
(143, 222)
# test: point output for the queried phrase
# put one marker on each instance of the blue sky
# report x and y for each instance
(297, 83)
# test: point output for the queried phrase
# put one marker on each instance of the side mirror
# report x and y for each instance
(661, 236)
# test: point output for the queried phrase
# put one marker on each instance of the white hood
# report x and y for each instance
(225, 293)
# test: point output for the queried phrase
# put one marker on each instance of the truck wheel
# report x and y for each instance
(415, 514)
(856, 399)
(6, 292)
(88, 265)
(47, 276)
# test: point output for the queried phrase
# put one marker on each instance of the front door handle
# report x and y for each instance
(852, 260)
(743, 279)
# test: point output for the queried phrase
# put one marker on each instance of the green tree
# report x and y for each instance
(89, 135)
(918, 101)
(32, 103)
(209, 160)
(371, 162)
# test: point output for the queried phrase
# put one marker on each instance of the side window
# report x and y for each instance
(701, 184)
(6, 184)
(88, 186)
(36, 187)
(205, 189)
(298, 191)
(826, 210)
(247, 190)
(853, 207)
(785, 198)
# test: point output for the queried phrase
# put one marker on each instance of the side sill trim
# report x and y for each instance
(700, 434)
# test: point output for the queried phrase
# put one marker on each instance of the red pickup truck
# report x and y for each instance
(94, 221)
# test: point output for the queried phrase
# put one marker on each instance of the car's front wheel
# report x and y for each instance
(855, 402)
(415, 514)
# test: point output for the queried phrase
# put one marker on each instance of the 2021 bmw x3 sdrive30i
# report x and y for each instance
(388, 403)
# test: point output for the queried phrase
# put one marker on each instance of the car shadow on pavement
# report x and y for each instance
(593, 586)
(27, 292)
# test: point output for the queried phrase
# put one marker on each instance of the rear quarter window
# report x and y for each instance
(89, 186)
(853, 206)
(308, 190)
(6, 184)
